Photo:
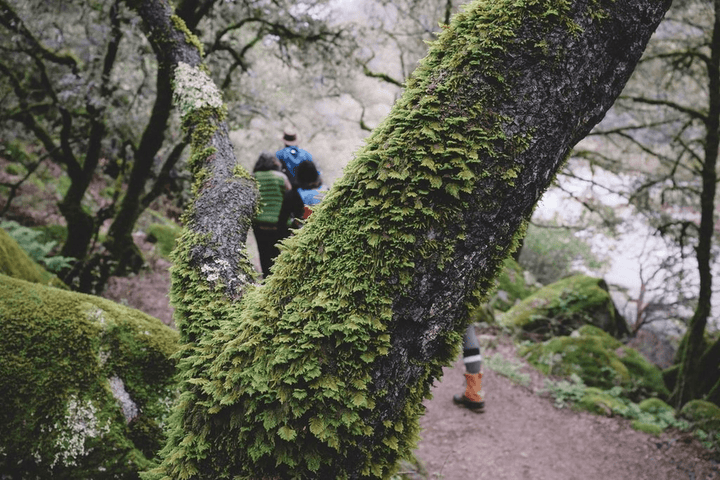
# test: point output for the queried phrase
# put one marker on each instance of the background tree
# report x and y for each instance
(661, 139)
(82, 81)
(320, 372)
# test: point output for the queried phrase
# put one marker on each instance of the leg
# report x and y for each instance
(267, 250)
(473, 397)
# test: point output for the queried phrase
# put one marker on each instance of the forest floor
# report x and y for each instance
(521, 434)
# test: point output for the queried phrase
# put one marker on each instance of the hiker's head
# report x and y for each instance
(307, 175)
(267, 161)
(290, 137)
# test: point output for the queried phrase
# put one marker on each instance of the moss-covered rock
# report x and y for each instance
(16, 263)
(650, 428)
(704, 415)
(656, 406)
(564, 306)
(599, 360)
(600, 402)
(86, 383)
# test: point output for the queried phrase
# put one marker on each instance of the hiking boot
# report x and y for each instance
(473, 397)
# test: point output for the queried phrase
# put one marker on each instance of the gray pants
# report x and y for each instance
(471, 351)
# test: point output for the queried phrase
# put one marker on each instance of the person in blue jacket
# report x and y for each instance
(307, 192)
(291, 156)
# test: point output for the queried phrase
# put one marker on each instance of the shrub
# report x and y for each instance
(553, 253)
(164, 236)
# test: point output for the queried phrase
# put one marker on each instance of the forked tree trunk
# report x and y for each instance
(321, 371)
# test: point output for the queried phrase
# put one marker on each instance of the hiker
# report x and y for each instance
(299, 201)
(272, 184)
(473, 398)
(291, 156)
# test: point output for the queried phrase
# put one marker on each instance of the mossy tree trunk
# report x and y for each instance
(321, 371)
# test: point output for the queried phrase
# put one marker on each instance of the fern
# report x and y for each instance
(29, 240)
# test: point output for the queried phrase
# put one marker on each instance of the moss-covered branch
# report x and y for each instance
(320, 372)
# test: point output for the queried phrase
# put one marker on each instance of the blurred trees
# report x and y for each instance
(661, 139)
(80, 80)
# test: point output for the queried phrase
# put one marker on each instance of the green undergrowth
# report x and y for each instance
(37, 245)
(599, 360)
(16, 261)
(651, 415)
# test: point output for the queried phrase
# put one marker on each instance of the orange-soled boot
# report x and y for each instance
(473, 397)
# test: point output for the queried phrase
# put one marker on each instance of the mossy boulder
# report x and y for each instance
(564, 306)
(599, 360)
(703, 414)
(16, 263)
(86, 384)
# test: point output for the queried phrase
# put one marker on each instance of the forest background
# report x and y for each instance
(84, 101)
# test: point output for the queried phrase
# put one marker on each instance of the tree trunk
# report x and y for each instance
(321, 371)
(690, 377)
(120, 243)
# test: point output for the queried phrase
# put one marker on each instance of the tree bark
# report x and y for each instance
(321, 371)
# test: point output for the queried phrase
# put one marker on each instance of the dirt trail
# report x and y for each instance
(521, 435)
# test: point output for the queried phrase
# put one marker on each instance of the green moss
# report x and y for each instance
(66, 362)
(655, 406)
(651, 428)
(564, 306)
(702, 414)
(600, 360)
(600, 402)
(190, 37)
(241, 172)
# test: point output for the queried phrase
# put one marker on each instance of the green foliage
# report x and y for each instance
(14, 169)
(565, 392)
(554, 253)
(511, 286)
(73, 369)
(652, 415)
(16, 263)
(165, 236)
(30, 240)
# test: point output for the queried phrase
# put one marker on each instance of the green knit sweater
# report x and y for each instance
(272, 191)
